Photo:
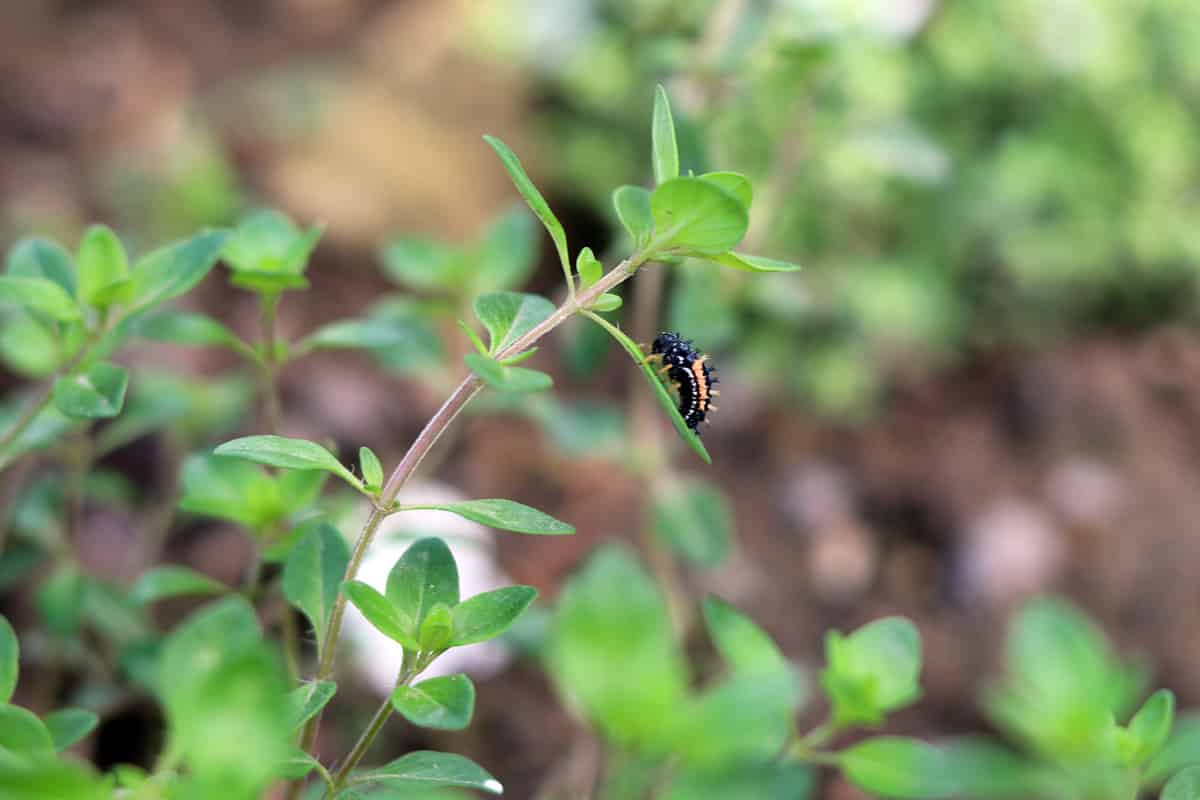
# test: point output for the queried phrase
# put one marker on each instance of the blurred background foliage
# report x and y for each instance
(981, 387)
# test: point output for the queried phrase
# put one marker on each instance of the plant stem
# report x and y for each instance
(410, 668)
(420, 447)
(35, 407)
(268, 305)
(291, 641)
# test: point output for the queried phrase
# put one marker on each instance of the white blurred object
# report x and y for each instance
(1011, 551)
(376, 657)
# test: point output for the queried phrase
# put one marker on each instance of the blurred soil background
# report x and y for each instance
(1066, 464)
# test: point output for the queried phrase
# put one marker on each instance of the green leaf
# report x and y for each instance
(42, 258)
(103, 268)
(746, 648)
(44, 776)
(268, 253)
(632, 204)
(606, 302)
(39, 294)
(10, 660)
(424, 576)
(1150, 727)
(664, 399)
(979, 767)
(692, 518)
(306, 700)
(232, 489)
(733, 182)
(426, 769)
(746, 719)
(69, 725)
(896, 767)
(588, 266)
(384, 616)
(21, 732)
(60, 600)
(749, 263)
(366, 334)
(445, 703)
(287, 453)
(505, 515)
(612, 622)
(487, 615)
(173, 270)
(98, 393)
(873, 671)
(372, 470)
(30, 346)
(189, 328)
(534, 199)
(1063, 685)
(313, 572)
(217, 674)
(511, 380)
(158, 583)
(422, 264)
(696, 216)
(1181, 749)
(1184, 786)
(480, 347)
(662, 137)
(510, 315)
(507, 253)
(437, 629)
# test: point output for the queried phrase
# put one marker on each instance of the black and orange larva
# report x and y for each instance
(689, 372)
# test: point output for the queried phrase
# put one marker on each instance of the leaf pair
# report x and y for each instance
(507, 316)
(421, 610)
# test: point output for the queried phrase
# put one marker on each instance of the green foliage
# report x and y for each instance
(896, 767)
(224, 692)
(98, 393)
(425, 769)
(873, 671)
(445, 703)
(313, 573)
(693, 519)
(268, 254)
(9, 660)
(159, 583)
(67, 726)
(1184, 786)
(506, 515)
(535, 201)
(280, 451)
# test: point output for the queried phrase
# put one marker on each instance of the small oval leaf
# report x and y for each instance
(662, 137)
(510, 315)
(313, 572)
(98, 393)
(287, 453)
(749, 263)
(161, 582)
(694, 215)
(445, 703)
(632, 204)
(385, 617)
(897, 767)
(487, 615)
(506, 515)
(426, 769)
(69, 725)
(534, 199)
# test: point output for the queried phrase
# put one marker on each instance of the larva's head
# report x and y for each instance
(674, 349)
